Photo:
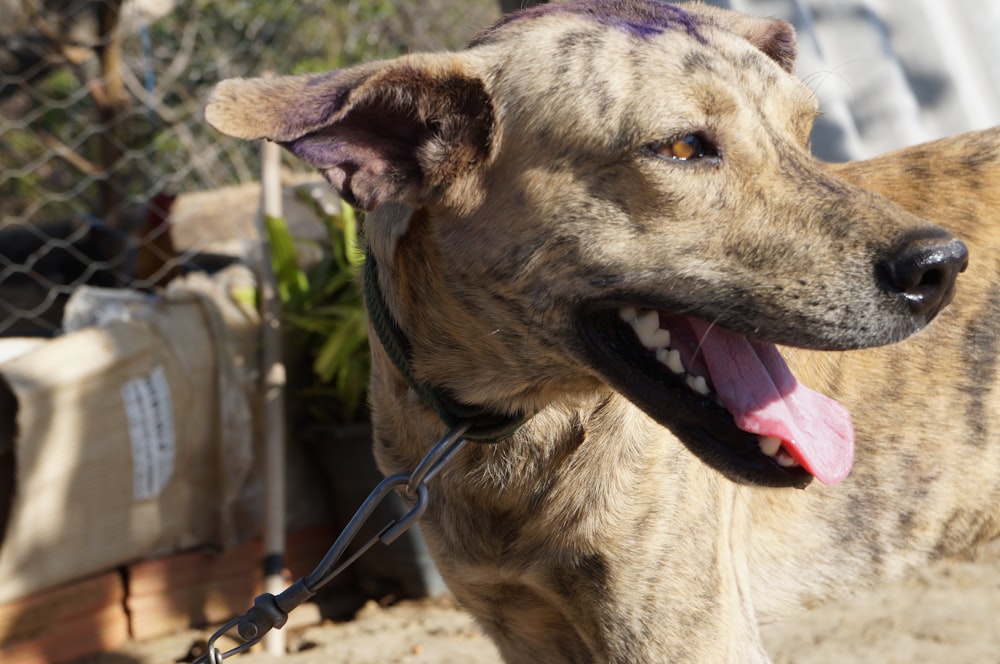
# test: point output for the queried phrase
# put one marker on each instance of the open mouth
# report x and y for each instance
(732, 400)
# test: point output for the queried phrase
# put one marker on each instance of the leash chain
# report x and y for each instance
(271, 611)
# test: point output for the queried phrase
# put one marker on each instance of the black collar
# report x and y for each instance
(485, 426)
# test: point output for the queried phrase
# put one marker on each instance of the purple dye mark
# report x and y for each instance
(641, 18)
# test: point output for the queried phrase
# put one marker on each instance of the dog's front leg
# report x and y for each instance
(639, 563)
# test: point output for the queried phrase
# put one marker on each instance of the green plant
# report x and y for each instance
(325, 303)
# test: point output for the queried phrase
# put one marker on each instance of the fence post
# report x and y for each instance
(110, 101)
(273, 372)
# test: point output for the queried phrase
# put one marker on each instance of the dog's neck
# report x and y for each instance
(483, 425)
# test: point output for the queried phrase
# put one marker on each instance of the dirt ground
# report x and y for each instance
(946, 614)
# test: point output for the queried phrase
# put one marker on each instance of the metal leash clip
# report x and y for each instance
(271, 611)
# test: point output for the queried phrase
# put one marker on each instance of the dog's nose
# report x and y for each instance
(922, 271)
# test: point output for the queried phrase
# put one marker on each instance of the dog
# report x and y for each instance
(597, 239)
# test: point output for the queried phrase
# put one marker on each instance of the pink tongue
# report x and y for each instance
(759, 390)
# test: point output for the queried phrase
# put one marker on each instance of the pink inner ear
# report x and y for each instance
(366, 162)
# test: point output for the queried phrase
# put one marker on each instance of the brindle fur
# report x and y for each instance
(512, 182)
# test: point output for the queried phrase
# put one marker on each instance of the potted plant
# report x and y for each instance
(324, 309)
(324, 305)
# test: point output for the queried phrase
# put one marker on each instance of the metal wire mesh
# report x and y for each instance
(101, 125)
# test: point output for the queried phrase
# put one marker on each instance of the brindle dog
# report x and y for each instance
(596, 223)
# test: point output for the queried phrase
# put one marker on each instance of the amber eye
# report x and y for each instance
(690, 146)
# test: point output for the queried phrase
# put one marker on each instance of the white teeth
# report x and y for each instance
(673, 362)
(698, 384)
(646, 326)
(659, 339)
(646, 323)
(785, 460)
(769, 445)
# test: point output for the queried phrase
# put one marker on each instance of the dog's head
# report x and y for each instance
(619, 193)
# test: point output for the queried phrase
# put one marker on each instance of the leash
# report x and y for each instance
(464, 423)
(271, 611)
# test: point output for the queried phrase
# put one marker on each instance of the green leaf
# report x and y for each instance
(293, 284)
(347, 339)
(352, 248)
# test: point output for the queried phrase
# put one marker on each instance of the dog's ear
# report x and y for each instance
(401, 130)
(774, 37)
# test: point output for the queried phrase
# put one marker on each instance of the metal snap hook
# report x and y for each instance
(270, 611)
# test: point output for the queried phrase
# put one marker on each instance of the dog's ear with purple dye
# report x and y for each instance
(403, 130)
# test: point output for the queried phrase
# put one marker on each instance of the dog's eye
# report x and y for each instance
(689, 146)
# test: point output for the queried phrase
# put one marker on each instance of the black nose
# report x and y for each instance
(922, 271)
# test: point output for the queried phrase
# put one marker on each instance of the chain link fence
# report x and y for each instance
(101, 130)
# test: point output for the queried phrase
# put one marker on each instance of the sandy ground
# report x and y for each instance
(946, 614)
